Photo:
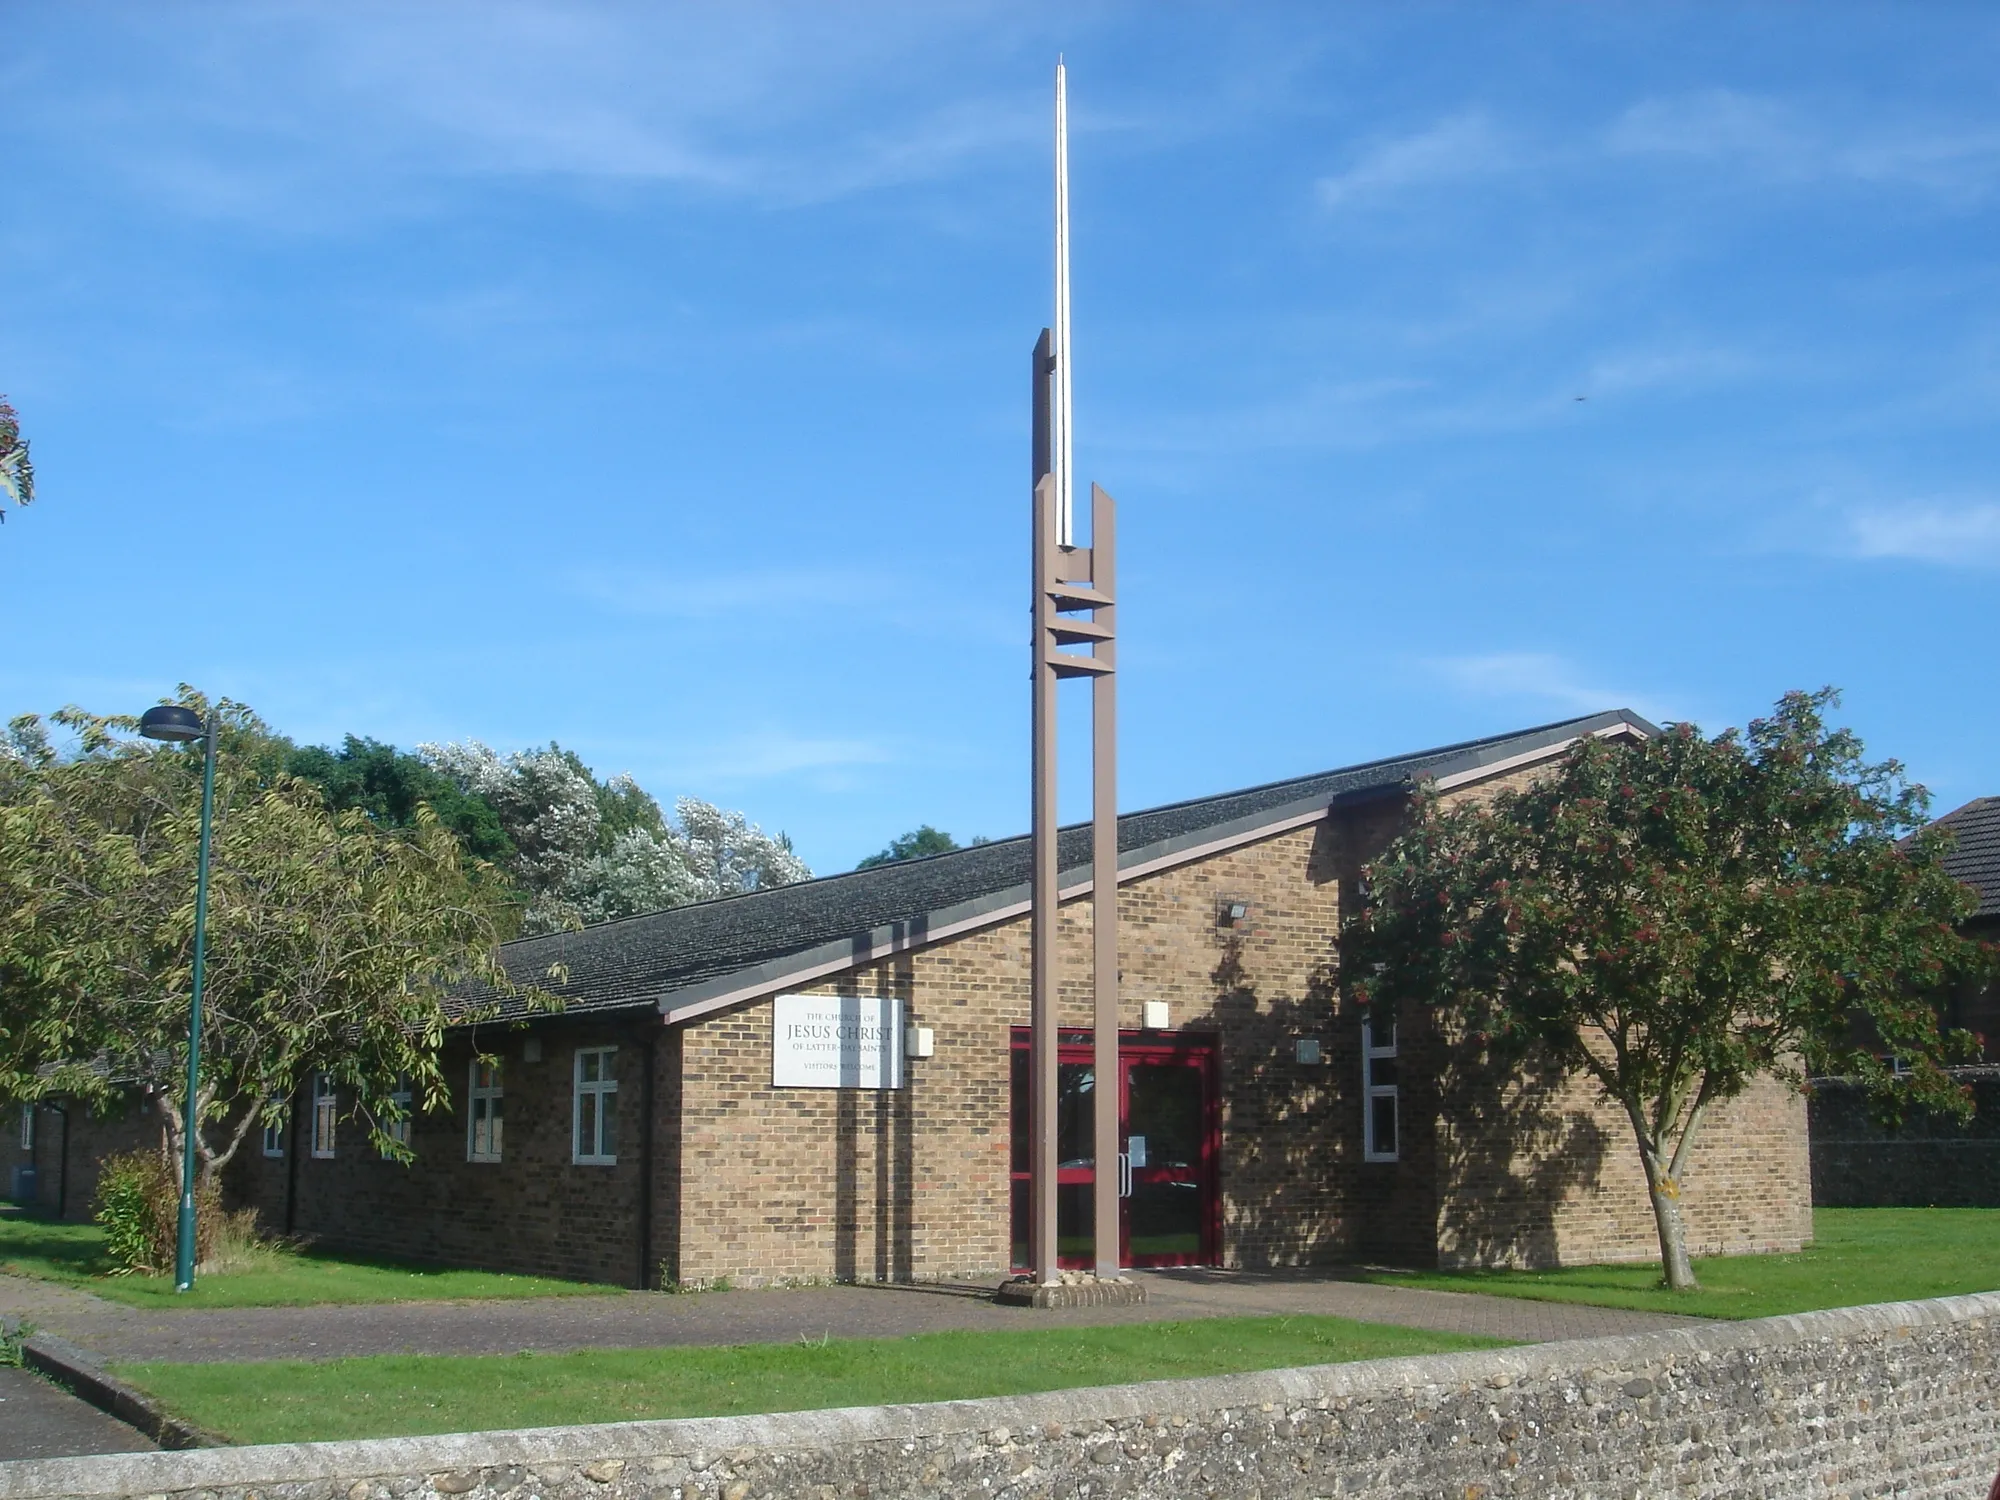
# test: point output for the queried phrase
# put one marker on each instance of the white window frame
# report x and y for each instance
(27, 1127)
(485, 1106)
(603, 1093)
(399, 1130)
(274, 1134)
(325, 1114)
(1371, 1053)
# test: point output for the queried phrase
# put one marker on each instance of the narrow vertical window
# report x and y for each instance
(398, 1129)
(482, 1126)
(596, 1107)
(325, 1106)
(1378, 1091)
(27, 1127)
(274, 1132)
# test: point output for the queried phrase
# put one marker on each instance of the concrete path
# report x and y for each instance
(652, 1320)
(41, 1420)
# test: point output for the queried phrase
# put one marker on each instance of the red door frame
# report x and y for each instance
(1197, 1050)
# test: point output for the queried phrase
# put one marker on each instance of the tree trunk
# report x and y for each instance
(1664, 1188)
(1665, 1192)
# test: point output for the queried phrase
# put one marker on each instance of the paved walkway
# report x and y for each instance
(41, 1420)
(651, 1320)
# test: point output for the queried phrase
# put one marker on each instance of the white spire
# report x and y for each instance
(1063, 454)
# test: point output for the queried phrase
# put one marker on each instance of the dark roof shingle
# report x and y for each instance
(687, 952)
(1975, 856)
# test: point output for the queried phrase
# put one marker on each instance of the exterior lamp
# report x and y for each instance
(178, 725)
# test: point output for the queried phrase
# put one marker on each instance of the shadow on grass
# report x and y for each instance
(45, 1245)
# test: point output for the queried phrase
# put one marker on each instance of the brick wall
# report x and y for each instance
(1897, 1400)
(786, 1184)
(799, 1183)
(535, 1210)
(68, 1146)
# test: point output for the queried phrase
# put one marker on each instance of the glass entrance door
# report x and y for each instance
(1167, 1172)
(1167, 1114)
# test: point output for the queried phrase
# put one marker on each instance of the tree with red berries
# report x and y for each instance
(1678, 916)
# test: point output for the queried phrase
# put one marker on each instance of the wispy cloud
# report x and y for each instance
(1746, 136)
(1774, 139)
(1538, 677)
(773, 755)
(1455, 148)
(310, 117)
(1961, 535)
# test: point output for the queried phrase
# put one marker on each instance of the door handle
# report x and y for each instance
(1124, 1174)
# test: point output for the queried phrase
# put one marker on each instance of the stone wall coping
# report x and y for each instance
(125, 1474)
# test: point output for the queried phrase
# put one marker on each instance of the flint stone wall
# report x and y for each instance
(1901, 1399)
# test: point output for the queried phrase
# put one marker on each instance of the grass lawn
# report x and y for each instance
(1858, 1255)
(396, 1395)
(31, 1245)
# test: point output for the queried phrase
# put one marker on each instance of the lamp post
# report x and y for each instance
(178, 725)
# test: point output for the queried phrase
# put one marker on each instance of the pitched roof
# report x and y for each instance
(1975, 857)
(687, 960)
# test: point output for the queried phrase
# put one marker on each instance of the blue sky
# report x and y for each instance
(654, 380)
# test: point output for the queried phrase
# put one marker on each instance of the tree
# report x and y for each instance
(334, 944)
(915, 844)
(591, 851)
(17, 472)
(390, 785)
(1676, 917)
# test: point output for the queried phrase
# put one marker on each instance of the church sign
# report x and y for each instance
(836, 1042)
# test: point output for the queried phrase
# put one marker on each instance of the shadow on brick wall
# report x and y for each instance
(1512, 1144)
(1284, 1203)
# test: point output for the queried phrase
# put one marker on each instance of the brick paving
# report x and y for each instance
(655, 1320)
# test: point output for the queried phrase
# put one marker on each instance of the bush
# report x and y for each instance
(139, 1205)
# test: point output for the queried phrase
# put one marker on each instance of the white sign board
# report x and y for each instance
(836, 1042)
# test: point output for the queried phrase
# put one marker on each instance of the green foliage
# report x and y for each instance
(138, 1207)
(298, 1401)
(17, 471)
(390, 785)
(1678, 916)
(915, 844)
(333, 943)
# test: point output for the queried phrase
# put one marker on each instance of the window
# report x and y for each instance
(398, 1130)
(1378, 1092)
(482, 1125)
(274, 1131)
(27, 1127)
(596, 1111)
(325, 1107)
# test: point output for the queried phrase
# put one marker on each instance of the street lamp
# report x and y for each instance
(178, 725)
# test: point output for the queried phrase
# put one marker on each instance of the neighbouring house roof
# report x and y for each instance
(690, 960)
(1975, 856)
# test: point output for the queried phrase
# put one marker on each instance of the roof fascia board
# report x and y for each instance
(818, 963)
(1529, 757)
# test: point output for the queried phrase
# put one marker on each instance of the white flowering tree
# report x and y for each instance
(590, 851)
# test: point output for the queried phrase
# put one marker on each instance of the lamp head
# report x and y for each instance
(172, 722)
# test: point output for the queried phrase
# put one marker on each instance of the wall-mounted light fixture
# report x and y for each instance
(919, 1041)
(1155, 1015)
(1234, 913)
